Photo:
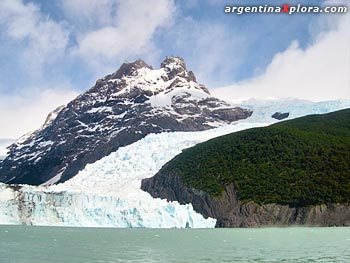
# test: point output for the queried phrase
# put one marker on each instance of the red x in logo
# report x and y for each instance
(285, 8)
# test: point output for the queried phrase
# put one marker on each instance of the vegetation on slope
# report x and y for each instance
(301, 162)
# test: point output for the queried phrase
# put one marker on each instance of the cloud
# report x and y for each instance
(20, 114)
(51, 53)
(38, 42)
(319, 72)
(129, 32)
(41, 39)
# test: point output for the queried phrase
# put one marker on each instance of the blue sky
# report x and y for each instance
(53, 50)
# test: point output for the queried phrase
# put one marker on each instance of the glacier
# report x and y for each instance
(107, 193)
(263, 109)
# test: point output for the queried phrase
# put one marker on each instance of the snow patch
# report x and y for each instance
(4, 143)
(53, 180)
(107, 193)
(164, 99)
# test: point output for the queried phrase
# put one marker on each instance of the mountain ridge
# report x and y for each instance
(119, 109)
(111, 186)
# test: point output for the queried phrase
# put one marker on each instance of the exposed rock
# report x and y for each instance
(120, 109)
(231, 212)
(280, 116)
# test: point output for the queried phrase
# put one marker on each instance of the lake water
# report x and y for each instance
(69, 245)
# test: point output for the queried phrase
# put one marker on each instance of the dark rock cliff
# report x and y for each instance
(231, 212)
(280, 116)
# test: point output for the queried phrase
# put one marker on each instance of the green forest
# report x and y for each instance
(299, 162)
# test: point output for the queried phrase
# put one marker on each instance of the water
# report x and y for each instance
(60, 244)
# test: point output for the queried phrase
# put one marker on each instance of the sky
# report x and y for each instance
(51, 51)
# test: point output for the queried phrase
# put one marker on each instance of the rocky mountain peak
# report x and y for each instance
(139, 80)
(171, 62)
(175, 66)
(119, 109)
(129, 69)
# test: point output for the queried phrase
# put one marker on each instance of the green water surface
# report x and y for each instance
(62, 244)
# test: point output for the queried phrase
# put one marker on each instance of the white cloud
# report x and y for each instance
(21, 114)
(320, 72)
(129, 34)
(114, 30)
(42, 40)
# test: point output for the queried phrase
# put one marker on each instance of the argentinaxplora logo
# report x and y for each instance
(285, 9)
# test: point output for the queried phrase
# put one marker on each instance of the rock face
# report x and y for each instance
(280, 116)
(120, 109)
(231, 212)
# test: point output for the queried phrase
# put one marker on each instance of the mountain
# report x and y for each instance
(120, 109)
(4, 143)
(292, 172)
(107, 192)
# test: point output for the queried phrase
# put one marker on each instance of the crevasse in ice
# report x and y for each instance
(107, 193)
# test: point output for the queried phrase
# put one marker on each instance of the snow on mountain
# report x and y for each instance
(120, 109)
(107, 193)
(4, 143)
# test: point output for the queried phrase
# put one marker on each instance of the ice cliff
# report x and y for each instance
(107, 193)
